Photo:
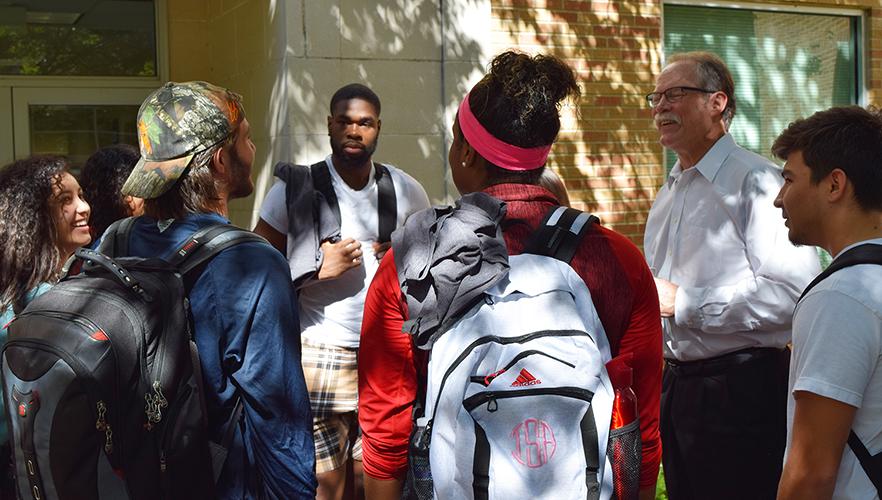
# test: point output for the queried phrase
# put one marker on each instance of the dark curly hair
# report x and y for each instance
(518, 102)
(28, 230)
(102, 179)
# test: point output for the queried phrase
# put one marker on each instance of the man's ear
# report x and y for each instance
(330, 119)
(839, 186)
(718, 102)
(220, 163)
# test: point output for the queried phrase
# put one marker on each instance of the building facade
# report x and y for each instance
(287, 57)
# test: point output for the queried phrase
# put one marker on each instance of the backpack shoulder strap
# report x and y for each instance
(560, 233)
(116, 240)
(863, 254)
(872, 465)
(204, 245)
(868, 253)
(321, 181)
(387, 207)
(191, 259)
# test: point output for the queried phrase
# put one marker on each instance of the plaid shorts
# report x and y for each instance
(332, 380)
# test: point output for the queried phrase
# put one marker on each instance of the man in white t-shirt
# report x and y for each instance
(332, 220)
(832, 198)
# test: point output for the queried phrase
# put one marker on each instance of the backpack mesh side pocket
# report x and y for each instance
(418, 484)
(625, 453)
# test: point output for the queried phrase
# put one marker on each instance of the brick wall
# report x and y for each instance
(874, 56)
(608, 152)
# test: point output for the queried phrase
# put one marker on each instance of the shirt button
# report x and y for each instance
(682, 188)
(669, 252)
(675, 219)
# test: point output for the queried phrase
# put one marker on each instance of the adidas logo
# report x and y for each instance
(525, 379)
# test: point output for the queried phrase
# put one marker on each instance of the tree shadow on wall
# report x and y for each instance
(616, 54)
(419, 56)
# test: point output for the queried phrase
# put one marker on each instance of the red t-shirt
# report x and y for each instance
(624, 294)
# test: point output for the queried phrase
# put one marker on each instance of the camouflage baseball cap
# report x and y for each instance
(174, 124)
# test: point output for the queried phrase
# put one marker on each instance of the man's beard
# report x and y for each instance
(240, 178)
(346, 160)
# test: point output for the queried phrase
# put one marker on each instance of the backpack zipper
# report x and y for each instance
(490, 397)
(174, 411)
(157, 401)
(502, 341)
(101, 425)
(485, 381)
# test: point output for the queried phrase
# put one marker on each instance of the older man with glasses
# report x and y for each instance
(727, 279)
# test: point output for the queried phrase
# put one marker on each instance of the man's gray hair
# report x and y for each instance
(712, 74)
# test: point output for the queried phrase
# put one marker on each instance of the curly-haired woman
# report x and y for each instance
(44, 220)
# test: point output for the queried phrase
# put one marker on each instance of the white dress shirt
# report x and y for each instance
(714, 232)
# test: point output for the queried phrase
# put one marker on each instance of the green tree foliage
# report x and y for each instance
(70, 51)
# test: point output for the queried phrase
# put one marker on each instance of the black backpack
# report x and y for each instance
(103, 383)
(862, 254)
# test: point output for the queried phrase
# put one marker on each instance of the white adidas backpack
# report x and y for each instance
(518, 401)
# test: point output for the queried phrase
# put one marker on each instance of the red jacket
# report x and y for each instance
(624, 294)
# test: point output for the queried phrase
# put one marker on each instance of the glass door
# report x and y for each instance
(74, 122)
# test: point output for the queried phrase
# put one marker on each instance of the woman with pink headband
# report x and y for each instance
(502, 136)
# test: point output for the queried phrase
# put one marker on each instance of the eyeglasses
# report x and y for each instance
(673, 94)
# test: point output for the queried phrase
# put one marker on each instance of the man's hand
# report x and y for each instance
(667, 292)
(380, 249)
(339, 257)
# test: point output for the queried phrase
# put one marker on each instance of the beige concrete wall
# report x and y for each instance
(421, 56)
(288, 58)
(399, 50)
(240, 45)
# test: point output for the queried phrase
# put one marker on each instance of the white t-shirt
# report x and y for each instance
(837, 348)
(331, 310)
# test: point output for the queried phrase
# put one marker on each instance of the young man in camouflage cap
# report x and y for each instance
(196, 155)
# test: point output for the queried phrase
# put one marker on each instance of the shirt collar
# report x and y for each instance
(877, 241)
(711, 162)
(521, 192)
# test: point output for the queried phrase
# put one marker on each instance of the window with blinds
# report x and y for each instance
(785, 65)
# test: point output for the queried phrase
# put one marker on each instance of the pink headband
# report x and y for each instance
(499, 153)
